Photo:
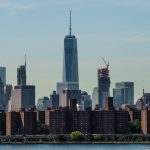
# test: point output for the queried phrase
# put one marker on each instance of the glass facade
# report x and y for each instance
(123, 93)
(103, 86)
(70, 68)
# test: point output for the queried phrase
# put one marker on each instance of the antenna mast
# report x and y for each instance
(25, 60)
(70, 24)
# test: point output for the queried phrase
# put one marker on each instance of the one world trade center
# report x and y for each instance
(70, 65)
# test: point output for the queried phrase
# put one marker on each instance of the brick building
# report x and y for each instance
(13, 123)
(28, 122)
(23, 122)
(58, 121)
(97, 122)
(121, 122)
(145, 121)
(81, 121)
(2, 123)
(41, 116)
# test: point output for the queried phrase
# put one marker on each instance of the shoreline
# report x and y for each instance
(65, 139)
(73, 143)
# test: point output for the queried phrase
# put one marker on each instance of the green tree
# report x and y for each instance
(42, 128)
(76, 136)
(135, 126)
(97, 137)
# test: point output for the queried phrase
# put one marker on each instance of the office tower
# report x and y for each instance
(62, 86)
(109, 104)
(80, 107)
(7, 95)
(103, 86)
(70, 68)
(70, 65)
(95, 98)
(54, 100)
(144, 101)
(123, 93)
(43, 103)
(21, 74)
(2, 101)
(70, 98)
(3, 74)
(86, 99)
(23, 97)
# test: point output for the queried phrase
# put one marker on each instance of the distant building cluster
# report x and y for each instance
(65, 120)
(68, 108)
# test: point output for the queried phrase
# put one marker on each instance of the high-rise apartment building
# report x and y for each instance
(123, 93)
(3, 74)
(103, 86)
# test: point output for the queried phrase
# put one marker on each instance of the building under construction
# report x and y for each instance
(103, 85)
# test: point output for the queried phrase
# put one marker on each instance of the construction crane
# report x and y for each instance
(107, 64)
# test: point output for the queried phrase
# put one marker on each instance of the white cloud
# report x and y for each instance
(140, 3)
(31, 4)
(13, 5)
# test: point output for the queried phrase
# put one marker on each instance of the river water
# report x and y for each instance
(77, 147)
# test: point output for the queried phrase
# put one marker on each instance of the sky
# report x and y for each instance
(118, 30)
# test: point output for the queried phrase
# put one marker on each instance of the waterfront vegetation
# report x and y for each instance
(42, 128)
(43, 136)
(77, 137)
(134, 126)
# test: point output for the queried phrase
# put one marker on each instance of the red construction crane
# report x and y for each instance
(107, 64)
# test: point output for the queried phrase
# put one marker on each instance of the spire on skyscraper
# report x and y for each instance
(70, 24)
(25, 60)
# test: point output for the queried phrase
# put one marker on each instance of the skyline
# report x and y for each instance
(120, 35)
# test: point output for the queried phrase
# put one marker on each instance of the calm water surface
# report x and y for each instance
(76, 147)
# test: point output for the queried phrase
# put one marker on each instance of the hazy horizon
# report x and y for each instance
(117, 30)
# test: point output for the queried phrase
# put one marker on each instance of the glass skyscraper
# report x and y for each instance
(103, 86)
(123, 93)
(70, 66)
(3, 74)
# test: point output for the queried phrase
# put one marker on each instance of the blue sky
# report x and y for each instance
(118, 30)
